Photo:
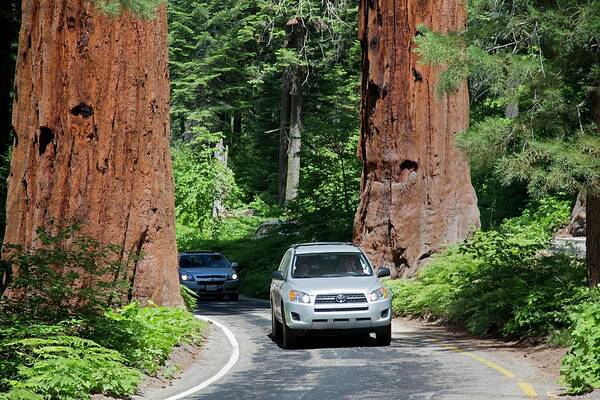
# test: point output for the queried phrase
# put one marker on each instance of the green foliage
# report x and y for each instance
(145, 9)
(64, 274)
(228, 61)
(532, 72)
(77, 357)
(145, 335)
(59, 337)
(501, 280)
(200, 180)
(580, 369)
(69, 367)
(190, 298)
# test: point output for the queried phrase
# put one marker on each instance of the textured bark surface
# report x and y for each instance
(295, 141)
(593, 239)
(284, 128)
(576, 225)
(91, 116)
(416, 193)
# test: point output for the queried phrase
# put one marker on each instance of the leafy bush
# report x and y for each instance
(145, 335)
(580, 369)
(69, 367)
(60, 337)
(62, 274)
(501, 280)
(190, 298)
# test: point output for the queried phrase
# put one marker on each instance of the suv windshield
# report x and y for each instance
(330, 265)
(203, 261)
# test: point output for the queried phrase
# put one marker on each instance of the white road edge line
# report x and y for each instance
(235, 355)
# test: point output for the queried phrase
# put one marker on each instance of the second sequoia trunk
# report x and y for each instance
(416, 192)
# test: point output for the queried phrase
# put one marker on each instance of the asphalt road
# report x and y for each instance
(420, 364)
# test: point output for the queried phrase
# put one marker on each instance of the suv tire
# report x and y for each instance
(234, 297)
(384, 335)
(275, 326)
(288, 340)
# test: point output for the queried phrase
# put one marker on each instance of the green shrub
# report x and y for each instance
(580, 369)
(49, 275)
(146, 335)
(190, 298)
(69, 367)
(500, 281)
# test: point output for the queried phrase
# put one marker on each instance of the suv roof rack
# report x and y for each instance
(323, 244)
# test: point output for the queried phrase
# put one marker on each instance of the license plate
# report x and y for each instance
(211, 288)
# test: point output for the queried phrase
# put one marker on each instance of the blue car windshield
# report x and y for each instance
(203, 261)
(330, 265)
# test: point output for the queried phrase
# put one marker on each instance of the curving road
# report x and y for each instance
(420, 364)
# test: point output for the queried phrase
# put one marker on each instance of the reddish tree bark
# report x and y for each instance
(416, 193)
(91, 116)
(592, 208)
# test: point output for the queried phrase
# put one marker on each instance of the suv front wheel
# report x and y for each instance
(288, 340)
(275, 326)
(384, 335)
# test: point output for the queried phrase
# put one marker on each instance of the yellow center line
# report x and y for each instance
(525, 387)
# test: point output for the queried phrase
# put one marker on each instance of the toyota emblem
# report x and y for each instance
(340, 298)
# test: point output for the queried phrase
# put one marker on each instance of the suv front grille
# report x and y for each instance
(210, 279)
(331, 298)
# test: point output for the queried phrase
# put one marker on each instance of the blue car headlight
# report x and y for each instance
(185, 277)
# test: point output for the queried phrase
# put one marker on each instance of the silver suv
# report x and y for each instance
(325, 288)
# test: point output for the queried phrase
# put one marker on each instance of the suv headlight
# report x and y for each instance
(185, 277)
(379, 294)
(233, 277)
(297, 296)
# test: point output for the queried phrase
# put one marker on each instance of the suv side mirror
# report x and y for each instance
(235, 265)
(383, 271)
(278, 276)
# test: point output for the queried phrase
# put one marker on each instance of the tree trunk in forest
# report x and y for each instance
(593, 238)
(295, 141)
(284, 126)
(91, 118)
(592, 208)
(9, 10)
(576, 227)
(416, 192)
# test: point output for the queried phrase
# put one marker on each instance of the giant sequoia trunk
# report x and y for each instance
(416, 193)
(91, 116)
(592, 208)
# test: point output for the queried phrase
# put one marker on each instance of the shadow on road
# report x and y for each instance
(313, 342)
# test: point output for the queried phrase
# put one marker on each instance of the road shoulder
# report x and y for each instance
(212, 358)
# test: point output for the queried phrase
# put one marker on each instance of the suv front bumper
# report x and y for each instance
(327, 317)
(219, 288)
